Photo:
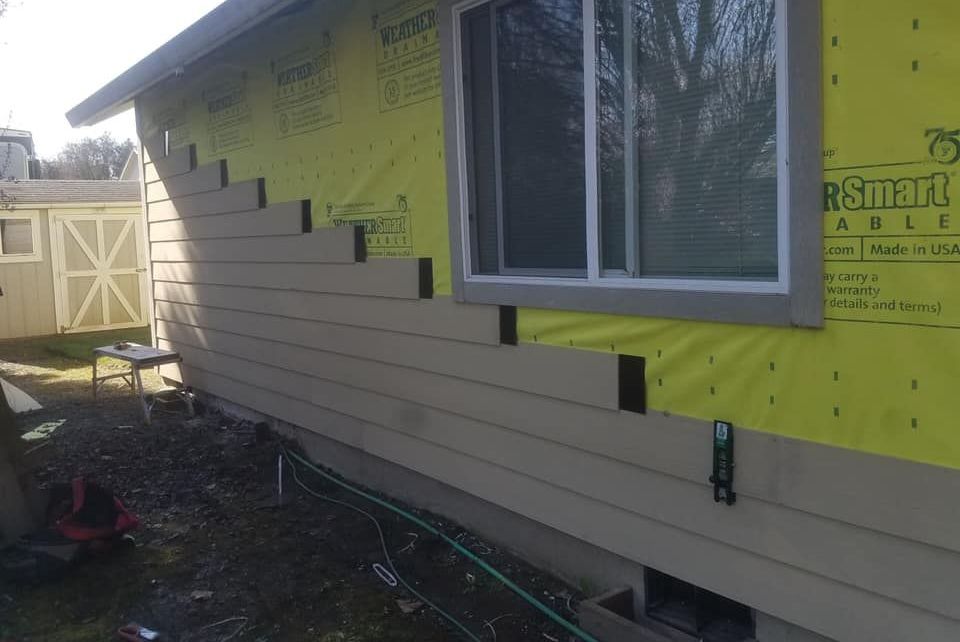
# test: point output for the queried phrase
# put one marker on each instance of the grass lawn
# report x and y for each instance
(71, 347)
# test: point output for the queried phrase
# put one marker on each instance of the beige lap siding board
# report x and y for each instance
(277, 220)
(206, 178)
(179, 161)
(392, 278)
(330, 246)
(837, 609)
(535, 429)
(886, 490)
(592, 381)
(239, 197)
(440, 317)
(405, 400)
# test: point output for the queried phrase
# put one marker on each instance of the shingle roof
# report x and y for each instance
(35, 191)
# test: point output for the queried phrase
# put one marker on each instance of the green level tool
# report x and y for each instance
(722, 477)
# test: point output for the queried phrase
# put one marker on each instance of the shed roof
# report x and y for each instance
(23, 192)
(225, 22)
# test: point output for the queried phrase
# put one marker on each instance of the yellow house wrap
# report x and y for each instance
(350, 117)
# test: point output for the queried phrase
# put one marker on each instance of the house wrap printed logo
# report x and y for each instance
(392, 35)
(891, 255)
(228, 113)
(302, 71)
(306, 92)
(856, 193)
(890, 200)
(386, 225)
(407, 45)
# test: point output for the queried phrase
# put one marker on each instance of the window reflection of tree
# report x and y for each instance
(540, 74)
(704, 125)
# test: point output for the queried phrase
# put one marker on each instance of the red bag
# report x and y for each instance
(95, 514)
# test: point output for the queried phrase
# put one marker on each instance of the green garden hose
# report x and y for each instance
(540, 606)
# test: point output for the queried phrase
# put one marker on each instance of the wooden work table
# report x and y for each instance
(139, 357)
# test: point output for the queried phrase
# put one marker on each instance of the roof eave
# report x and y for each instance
(221, 25)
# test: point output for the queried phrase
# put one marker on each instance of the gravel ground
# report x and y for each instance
(216, 559)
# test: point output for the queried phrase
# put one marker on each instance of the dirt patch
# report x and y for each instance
(216, 559)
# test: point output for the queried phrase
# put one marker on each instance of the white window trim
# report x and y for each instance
(795, 298)
(37, 255)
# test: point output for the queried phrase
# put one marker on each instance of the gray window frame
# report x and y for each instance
(798, 300)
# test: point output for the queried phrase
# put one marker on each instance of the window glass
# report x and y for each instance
(612, 132)
(687, 123)
(527, 122)
(16, 236)
(686, 163)
(478, 65)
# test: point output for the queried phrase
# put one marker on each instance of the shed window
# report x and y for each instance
(639, 145)
(19, 238)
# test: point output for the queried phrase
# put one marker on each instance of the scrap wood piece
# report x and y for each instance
(18, 400)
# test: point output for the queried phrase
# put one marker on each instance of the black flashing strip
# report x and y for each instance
(224, 177)
(359, 244)
(193, 156)
(426, 278)
(307, 216)
(261, 193)
(632, 382)
(508, 325)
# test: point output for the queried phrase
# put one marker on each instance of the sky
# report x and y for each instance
(55, 53)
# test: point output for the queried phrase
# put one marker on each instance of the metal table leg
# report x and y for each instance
(143, 402)
(95, 386)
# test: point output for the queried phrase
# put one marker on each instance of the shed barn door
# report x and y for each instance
(101, 267)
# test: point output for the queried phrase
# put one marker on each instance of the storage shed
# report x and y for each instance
(534, 263)
(72, 257)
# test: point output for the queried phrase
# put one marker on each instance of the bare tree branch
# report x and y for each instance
(100, 158)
